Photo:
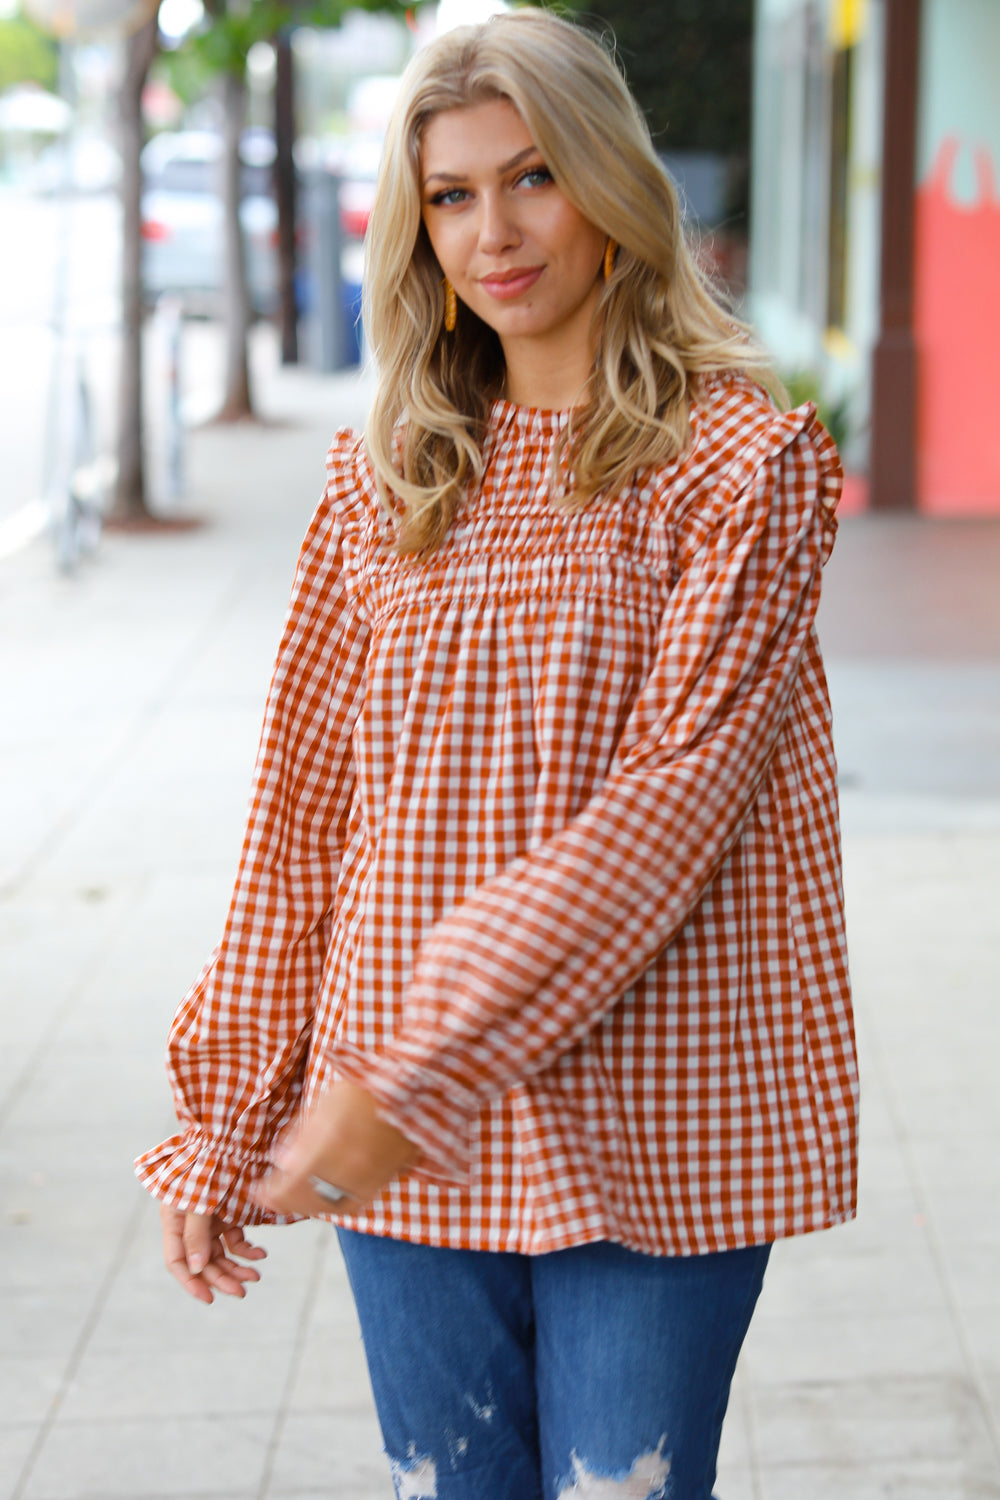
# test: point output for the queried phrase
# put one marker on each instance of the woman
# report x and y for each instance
(535, 962)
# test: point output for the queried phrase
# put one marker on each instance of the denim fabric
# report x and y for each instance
(584, 1374)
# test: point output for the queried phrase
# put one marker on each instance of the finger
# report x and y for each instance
(227, 1277)
(207, 1262)
(231, 1270)
(175, 1255)
(237, 1243)
(199, 1236)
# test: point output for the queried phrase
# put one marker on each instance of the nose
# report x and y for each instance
(498, 230)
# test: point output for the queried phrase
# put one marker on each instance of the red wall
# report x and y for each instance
(957, 325)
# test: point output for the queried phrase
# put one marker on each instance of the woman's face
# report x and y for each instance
(513, 247)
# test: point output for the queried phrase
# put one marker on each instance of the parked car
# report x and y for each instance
(182, 219)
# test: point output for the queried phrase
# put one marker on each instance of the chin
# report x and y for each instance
(523, 321)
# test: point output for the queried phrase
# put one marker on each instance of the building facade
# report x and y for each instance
(875, 235)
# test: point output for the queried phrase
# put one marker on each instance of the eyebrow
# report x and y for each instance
(505, 166)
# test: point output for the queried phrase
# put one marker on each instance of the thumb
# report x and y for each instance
(197, 1241)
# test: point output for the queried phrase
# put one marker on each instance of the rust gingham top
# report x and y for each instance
(543, 851)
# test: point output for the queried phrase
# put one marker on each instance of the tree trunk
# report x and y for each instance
(284, 187)
(237, 402)
(129, 501)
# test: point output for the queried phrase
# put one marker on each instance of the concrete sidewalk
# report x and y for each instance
(132, 697)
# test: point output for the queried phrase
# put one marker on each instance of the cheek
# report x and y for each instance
(447, 246)
(587, 261)
(583, 240)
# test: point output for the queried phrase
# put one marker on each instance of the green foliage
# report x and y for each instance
(806, 385)
(26, 55)
(231, 29)
(185, 73)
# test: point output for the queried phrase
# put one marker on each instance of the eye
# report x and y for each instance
(448, 196)
(539, 176)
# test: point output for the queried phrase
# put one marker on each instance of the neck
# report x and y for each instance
(552, 378)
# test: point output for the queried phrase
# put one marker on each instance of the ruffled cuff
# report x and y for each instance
(190, 1173)
(436, 1117)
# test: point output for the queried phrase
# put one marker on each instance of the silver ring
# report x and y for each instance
(327, 1190)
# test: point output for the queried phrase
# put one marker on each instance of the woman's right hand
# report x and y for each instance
(199, 1251)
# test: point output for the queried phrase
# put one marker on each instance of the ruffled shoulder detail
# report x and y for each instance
(736, 431)
(344, 461)
(830, 477)
(352, 494)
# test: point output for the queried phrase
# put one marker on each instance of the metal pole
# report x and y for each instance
(326, 244)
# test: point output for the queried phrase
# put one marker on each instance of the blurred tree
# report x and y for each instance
(220, 48)
(286, 194)
(27, 55)
(129, 500)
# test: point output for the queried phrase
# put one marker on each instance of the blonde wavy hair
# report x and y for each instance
(659, 324)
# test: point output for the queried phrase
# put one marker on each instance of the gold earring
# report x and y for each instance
(450, 306)
(610, 251)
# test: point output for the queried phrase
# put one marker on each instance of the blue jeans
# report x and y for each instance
(587, 1372)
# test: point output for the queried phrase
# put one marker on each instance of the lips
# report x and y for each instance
(504, 286)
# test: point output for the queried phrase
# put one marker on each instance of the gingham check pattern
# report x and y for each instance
(543, 851)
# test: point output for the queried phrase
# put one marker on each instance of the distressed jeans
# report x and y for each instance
(585, 1374)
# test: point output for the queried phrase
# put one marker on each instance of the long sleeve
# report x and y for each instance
(517, 974)
(238, 1044)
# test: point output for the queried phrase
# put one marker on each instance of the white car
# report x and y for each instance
(182, 220)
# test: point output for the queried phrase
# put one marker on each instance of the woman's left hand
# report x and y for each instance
(343, 1142)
